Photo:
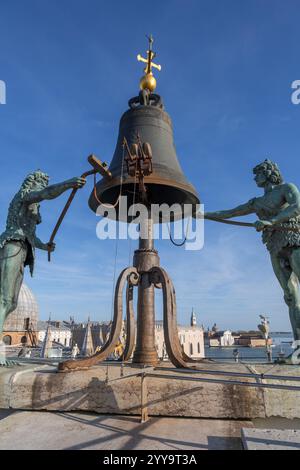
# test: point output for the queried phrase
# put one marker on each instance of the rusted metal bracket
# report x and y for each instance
(133, 280)
(174, 350)
(144, 399)
(116, 329)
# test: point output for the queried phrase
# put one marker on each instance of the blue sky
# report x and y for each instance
(70, 67)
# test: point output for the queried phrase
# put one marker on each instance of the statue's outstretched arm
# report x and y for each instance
(55, 190)
(243, 209)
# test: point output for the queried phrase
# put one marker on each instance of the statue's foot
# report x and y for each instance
(292, 359)
(8, 363)
(4, 362)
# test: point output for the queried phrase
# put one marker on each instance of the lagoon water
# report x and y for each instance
(282, 344)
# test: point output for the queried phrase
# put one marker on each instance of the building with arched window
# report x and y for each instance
(60, 332)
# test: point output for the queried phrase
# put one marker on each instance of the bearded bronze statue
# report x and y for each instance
(18, 242)
(278, 210)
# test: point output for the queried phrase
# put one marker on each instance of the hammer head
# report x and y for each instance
(100, 167)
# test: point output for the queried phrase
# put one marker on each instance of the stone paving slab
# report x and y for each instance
(51, 430)
(271, 439)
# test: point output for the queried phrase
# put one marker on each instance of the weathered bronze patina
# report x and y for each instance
(279, 220)
(18, 242)
(144, 168)
(148, 122)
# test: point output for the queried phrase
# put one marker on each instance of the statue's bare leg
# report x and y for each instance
(295, 261)
(288, 280)
(295, 264)
(286, 273)
(13, 256)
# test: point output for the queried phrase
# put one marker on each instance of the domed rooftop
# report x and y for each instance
(27, 308)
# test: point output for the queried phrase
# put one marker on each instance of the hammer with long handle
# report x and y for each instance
(99, 167)
(251, 224)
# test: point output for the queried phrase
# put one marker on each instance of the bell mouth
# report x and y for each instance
(168, 201)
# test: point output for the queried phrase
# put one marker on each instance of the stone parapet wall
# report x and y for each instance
(104, 390)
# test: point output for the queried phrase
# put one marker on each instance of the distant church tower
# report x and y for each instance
(47, 343)
(87, 348)
(193, 318)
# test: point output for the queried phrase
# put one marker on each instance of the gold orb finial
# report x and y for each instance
(148, 81)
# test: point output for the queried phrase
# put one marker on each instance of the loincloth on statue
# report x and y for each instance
(277, 240)
(23, 244)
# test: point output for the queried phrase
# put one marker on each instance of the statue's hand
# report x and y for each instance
(199, 215)
(262, 224)
(50, 247)
(76, 182)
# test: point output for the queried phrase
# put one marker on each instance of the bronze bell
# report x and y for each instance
(146, 121)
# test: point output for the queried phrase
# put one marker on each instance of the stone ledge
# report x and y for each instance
(42, 388)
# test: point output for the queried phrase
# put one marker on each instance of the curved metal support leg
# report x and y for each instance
(114, 334)
(174, 349)
(175, 329)
(133, 280)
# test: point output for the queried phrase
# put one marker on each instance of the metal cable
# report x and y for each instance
(134, 195)
(116, 248)
(114, 279)
(183, 242)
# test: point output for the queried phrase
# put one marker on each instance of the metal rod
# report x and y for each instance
(228, 382)
(144, 399)
(64, 211)
(221, 381)
(291, 378)
(145, 351)
(250, 224)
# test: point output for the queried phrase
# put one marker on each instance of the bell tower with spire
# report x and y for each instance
(193, 318)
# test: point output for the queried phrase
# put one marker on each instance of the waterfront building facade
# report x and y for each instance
(191, 338)
(59, 332)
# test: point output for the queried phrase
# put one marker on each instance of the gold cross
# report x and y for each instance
(150, 56)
